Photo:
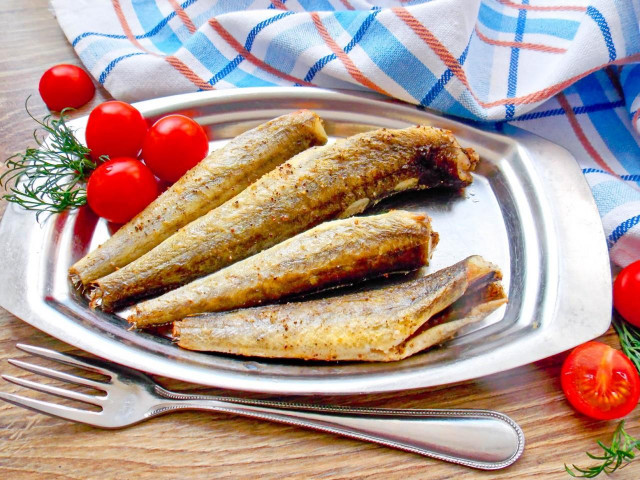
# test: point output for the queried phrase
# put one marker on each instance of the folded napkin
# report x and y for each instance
(567, 70)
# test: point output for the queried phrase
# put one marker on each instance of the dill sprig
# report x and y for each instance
(52, 176)
(618, 455)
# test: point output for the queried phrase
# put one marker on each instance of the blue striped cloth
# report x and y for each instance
(568, 70)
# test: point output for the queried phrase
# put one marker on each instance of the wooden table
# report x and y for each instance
(207, 446)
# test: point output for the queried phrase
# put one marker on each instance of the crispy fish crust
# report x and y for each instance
(322, 183)
(220, 176)
(385, 324)
(332, 253)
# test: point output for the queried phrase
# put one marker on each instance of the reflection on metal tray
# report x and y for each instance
(529, 211)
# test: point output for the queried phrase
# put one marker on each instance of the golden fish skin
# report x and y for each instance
(385, 324)
(220, 176)
(319, 184)
(332, 253)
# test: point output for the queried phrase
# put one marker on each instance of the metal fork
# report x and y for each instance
(481, 439)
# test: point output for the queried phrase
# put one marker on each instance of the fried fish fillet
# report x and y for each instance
(220, 176)
(319, 184)
(332, 253)
(385, 324)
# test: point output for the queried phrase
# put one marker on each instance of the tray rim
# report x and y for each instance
(15, 220)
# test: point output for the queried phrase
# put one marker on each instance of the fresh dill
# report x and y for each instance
(618, 455)
(52, 176)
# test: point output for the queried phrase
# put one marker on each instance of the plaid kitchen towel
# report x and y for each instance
(568, 70)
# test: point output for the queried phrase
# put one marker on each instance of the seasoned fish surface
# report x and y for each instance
(316, 185)
(385, 324)
(332, 253)
(220, 176)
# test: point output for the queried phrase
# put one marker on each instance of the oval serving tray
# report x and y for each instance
(529, 211)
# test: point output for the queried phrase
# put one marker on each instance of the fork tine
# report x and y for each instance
(67, 377)
(73, 360)
(60, 411)
(60, 392)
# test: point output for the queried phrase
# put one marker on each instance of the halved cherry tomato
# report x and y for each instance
(65, 86)
(116, 129)
(600, 381)
(120, 189)
(173, 145)
(626, 293)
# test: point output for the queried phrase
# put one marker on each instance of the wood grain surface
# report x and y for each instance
(212, 446)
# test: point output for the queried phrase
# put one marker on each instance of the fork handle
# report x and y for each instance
(481, 439)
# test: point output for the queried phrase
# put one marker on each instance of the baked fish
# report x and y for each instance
(220, 176)
(384, 324)
(319, 184)
(336, 252)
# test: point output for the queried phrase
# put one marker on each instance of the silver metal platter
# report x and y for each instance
(529, 210)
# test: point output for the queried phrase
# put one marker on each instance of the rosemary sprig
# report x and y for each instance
(51, 177)
(618, 455)
(629, 339)
(621, 451)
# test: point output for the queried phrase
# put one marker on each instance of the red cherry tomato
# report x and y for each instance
(626, 293)
(65, 86)
(116, 129)
(600, 381)
(120, 189)
(173, 145)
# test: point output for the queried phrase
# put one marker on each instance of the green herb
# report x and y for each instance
(629, 339)
(621, 451)
(51, 177)
(618, 455)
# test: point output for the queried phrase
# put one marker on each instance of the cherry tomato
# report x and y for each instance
(116, 129)
(626, 293)
(120, 189)
(173, 145)
(600, 381)
(65, 86)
